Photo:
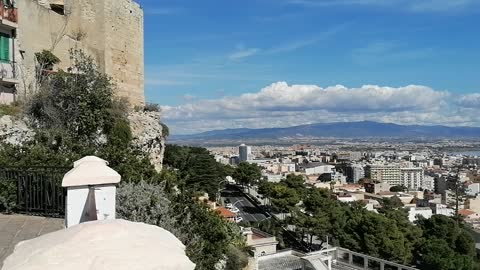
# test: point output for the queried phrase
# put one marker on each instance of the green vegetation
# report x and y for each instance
(151, 107)
(46, 59)
(207, 236)
(247, 174)
(76, 114)
(446, 245)
(197, 169)
(12, 109)
(437, 243)
(398, 189)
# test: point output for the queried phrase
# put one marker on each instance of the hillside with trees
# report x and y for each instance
(437, 243)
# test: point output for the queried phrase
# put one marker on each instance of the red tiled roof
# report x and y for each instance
(465, 212)
(224, 212)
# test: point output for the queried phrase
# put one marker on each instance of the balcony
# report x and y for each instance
(8, 13)
(8, 73)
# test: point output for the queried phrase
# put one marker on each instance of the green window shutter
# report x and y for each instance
(4, 47)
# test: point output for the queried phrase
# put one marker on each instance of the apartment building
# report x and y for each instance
(110, 31)
(412, 178)
(8, 43)
(354, 173)
(396, 175)
(352, 156)
(390, 174)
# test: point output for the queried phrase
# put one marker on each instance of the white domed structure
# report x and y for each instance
(108, 244)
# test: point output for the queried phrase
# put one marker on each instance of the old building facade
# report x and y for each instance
(111, 31)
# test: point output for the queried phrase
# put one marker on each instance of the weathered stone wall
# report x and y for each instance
(148, 134)
(111, 31)
(124, 47)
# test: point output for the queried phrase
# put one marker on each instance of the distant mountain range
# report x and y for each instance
(364, 129)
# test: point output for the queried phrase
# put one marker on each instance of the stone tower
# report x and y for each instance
(111, 31)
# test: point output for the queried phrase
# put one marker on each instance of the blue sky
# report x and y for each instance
(222, 54)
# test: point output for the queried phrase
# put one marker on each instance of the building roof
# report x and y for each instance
(287, 262)
(387, 193)
(466, 212)
(257, 234)
(224, 212)
(313, 165)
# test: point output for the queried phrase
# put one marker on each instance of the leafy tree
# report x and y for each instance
(447, 245)
(80, 103)
(284, 198)
(197, 169)
(392, 203)
(247, 173)
(437, 254)
(207, 236)
(236, 258)
(46, 59)
(459, 191)
(296, 182)
(398, 189)
(364, 180)
(75, 114)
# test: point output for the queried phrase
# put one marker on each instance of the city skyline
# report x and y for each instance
(282, 63)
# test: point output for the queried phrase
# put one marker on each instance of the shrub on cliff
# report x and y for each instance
(208, 238)
(75, 114)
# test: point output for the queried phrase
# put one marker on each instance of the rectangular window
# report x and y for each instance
(4, 47)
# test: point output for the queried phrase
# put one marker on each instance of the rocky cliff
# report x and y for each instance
(148, 134)
(147, 131)
(14, 130)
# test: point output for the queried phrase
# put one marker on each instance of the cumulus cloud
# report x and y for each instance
(280, 105)
(470, 101)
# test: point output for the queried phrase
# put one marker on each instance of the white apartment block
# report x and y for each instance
(349, 156)
(320, 170)
(412, 178)
(395, 175)
(390, 174)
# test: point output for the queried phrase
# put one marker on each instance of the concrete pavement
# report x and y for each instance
(17, 228)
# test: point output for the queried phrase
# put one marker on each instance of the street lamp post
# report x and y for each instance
(233, 204)
(218, 190)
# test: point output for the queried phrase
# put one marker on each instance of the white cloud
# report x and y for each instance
(161, 82)
(470, 101)
(188, 97)
(388, 51)
(280, 104)
(298, 44)
(441, 5)
(243, 53)
(163, 11)
(294, 45)
(408, 5)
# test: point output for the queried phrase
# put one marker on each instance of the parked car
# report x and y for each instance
(238, 219)
(229, 206)
(235, 210)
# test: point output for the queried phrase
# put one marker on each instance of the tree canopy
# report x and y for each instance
(247, 174)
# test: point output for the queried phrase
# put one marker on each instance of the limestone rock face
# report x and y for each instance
(14, 131)
(102, 245)
(148, 134)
